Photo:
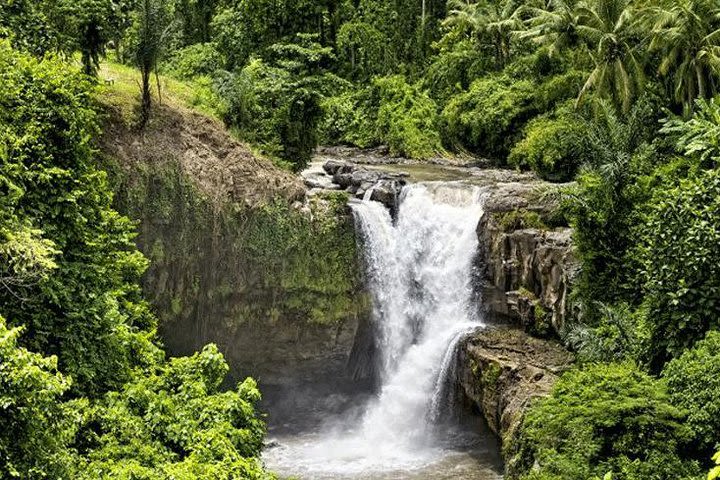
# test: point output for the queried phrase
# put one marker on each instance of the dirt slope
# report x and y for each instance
(223, 168)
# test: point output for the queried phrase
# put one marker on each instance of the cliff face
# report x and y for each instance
(239, 257)
(526, 270)
(527, 266)
(502, 371)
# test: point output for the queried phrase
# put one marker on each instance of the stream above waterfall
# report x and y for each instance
(420, 269)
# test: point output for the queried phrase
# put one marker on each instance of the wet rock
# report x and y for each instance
(386, 186)
(501, 371)
(387, 192)
(332, 167)
(527, 273)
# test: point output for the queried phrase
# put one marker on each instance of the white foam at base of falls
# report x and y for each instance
(420, 276)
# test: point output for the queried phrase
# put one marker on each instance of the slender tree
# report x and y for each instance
(153, 26)
(491, 24)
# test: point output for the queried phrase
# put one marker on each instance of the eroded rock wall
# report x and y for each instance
(238, 257)
(527, 266)
(501, 371)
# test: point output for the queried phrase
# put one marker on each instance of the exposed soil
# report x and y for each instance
(223, 168)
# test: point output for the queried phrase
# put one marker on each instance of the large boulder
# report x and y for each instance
(501, 371)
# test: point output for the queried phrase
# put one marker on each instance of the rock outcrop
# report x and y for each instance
(384, 187)
(238, 256)
(501, 371)
(527, 266)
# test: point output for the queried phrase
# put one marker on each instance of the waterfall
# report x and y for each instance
(420, 276)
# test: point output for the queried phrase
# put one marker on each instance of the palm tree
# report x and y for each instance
(491, 23)
(609, 30)
(687, 35)
(556, 25)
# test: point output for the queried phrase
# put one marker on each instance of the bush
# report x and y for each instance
(620, 334)
(70, 274)
(406, 118)
(694, 384)
(338, 118)
(698, 136)
(553, 146)
(604, 419)
(389, 112)
(175, 422)
(488, 117)
(35, 427)
(518, 220)
(196, 60)
(680, 255)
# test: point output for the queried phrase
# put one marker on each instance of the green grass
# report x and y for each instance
(120, 88)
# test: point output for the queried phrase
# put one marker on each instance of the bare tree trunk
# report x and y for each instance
(146, 98)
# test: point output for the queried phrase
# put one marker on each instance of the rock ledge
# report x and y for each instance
(502, 370)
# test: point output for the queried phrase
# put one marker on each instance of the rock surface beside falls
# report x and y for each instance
(357, 180)
(527, 270)
(502, 371)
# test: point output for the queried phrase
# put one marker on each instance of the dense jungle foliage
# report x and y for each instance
(618, 95)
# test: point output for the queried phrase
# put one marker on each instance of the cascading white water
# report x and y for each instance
(420, 272)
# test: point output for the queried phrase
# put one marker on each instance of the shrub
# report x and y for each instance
(35, 427)
(193, 61)
(299, 121)
(604, 419)
(489, 116)
(519, 219)
(175, 422)
(338, 118)
(698, 136)
(680, 255)
(553, 146)
(714, 472)
(406, 118)
(391, 112)
(618, 335)
(694, 384)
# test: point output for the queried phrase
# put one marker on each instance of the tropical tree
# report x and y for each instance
(152, 29)
(609, 30)
(686, 33)
(556, 25)
(92, 24)
(491, 24)
(365, 49)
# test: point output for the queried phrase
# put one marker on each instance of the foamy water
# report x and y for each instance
(420, 276)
